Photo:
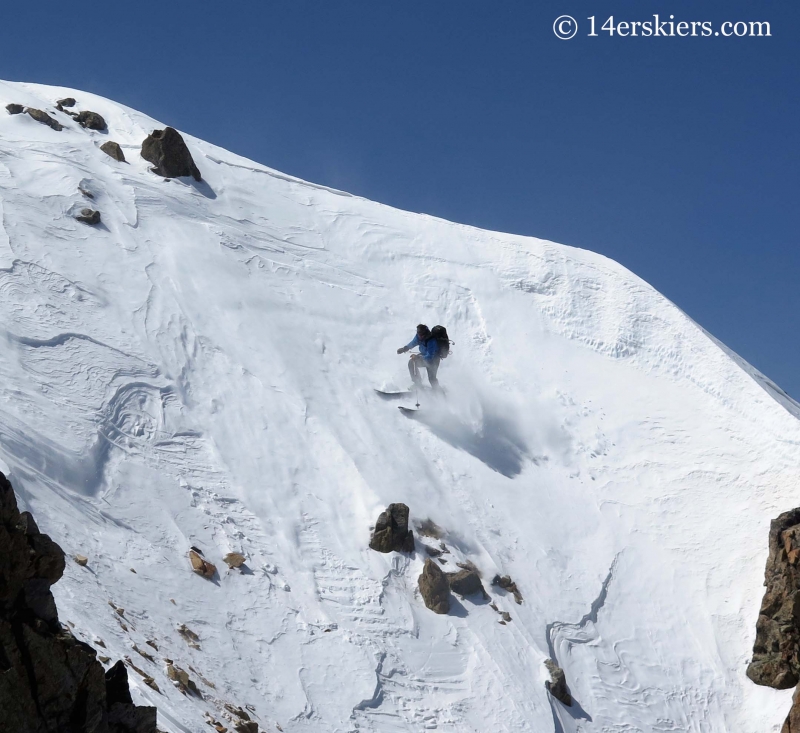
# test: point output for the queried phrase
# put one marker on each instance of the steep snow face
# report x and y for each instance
(199, 368)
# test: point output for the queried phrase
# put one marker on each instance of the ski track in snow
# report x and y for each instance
(199, 370)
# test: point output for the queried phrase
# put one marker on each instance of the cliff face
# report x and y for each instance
(49, 680)
(776, 652)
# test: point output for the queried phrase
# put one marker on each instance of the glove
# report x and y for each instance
(402, 350)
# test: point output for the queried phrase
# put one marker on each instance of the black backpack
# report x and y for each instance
(439, 334)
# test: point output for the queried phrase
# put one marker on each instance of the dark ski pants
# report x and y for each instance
(416, 363)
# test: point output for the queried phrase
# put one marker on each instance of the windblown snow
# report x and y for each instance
(199, 370)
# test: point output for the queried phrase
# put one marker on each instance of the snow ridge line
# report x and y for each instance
(61, 339)
(594, 610)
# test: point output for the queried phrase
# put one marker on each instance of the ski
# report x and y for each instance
(395, 394)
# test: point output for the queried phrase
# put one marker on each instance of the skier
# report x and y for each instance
(427, 357)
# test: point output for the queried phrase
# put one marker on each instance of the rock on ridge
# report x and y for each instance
(113, 150)
(42, 116)
(91, 120)
(49, 680)
(168, 153)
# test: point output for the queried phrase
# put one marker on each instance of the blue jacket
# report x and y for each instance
(429, 349)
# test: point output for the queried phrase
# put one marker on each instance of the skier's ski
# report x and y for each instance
(394, 394)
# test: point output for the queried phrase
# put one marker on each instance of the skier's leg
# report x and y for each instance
(432, 368)
(413, 371)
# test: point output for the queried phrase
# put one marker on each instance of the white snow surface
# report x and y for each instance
(199, 370)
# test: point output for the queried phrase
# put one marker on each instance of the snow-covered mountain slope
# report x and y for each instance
(199, 370)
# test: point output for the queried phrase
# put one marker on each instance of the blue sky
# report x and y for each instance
(677, 157)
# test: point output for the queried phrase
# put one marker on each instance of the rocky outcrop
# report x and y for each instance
(391, 531)
(15, 109)
(466, 582)
(434, 587)
(113, 150)
(505, 582)
(123, 715)
(168, 153)
(557, 684)
(45, 118)
(89, 216)
(66, 102)
(91, 120)
(776, 652)
(50, 681)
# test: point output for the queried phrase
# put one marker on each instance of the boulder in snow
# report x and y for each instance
(89, 216)
(505, 582)
(466, 582)
(234, 559)
(201, 566)
(82, 560)
(15, 109)
(44, 118)
(66, 102)
(182, 679)
(434, 587)
(557, 684)
(391, 531)
(168, 153)
(114, 150)
(91, 120)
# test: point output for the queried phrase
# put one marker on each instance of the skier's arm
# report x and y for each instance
(414, 342)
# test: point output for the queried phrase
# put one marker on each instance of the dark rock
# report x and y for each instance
(432, 551)
(89, 216)
(15, 109)
(776, 652)
(557, 684)
(66, 102)
(237, 711)
(131, 719)
(44, 118)
(117, 689)
(91, 120)
(50, 681)
(506, 583)
(168, 153)
(246, 726)
(466, 582)
(114, 150)
(391, 531)
(434, 587)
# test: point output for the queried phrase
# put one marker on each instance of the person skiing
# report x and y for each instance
(428, 356)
